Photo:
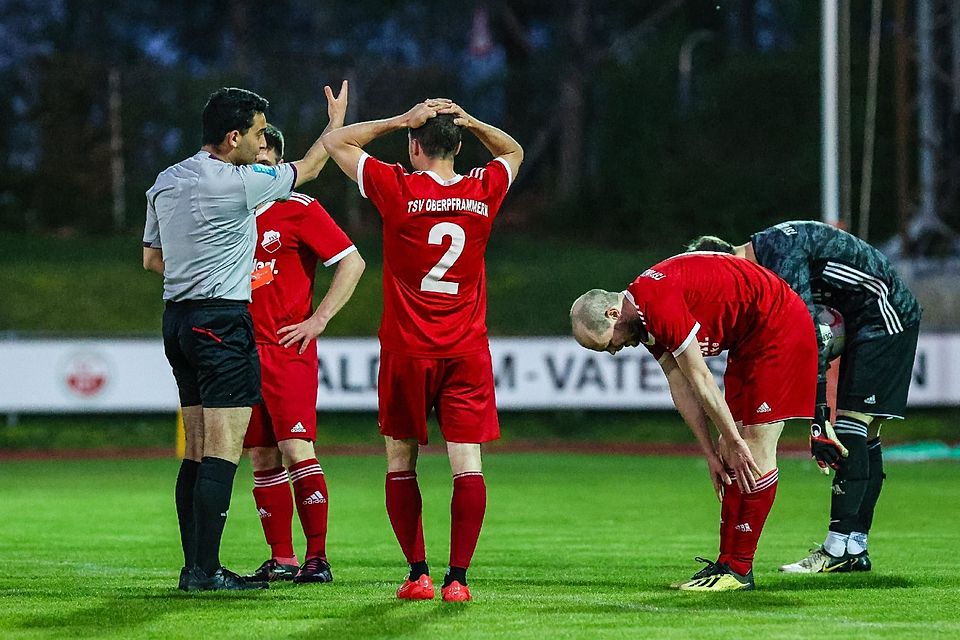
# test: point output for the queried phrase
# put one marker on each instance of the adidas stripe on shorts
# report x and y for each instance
(289, 389)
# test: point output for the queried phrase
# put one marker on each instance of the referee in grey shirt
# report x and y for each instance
(200, 233)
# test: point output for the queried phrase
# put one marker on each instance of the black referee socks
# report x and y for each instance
(211, 502)
(186, 484)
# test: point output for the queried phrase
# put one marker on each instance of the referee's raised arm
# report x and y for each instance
(309, 167)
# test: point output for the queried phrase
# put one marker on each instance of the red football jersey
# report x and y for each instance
(292, 236)
(435, 234)
(721, 301)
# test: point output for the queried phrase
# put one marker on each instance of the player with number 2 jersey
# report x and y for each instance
(435, 233)
(434, 353)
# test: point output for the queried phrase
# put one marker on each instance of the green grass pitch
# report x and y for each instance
(574, 546)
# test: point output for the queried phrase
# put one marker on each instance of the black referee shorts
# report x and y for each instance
(210, 346)
(875, 374)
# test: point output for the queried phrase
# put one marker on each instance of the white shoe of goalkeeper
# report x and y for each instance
(819, 561)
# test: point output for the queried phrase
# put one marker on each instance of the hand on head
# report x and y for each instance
(460, 117)
(420, 113)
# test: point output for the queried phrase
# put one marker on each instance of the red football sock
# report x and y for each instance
(313, 506)
(271, 492)
(729, 510)
(754, 508)
(405, 509)
(466, 516)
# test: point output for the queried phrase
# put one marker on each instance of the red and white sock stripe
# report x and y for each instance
(466, 474)
(763, 482)
(272, 480)
(767, 480)
(303, 472)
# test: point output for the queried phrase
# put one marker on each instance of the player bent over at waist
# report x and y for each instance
(697, 305)
(881, 317)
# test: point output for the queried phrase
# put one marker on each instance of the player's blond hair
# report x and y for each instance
(589, 311)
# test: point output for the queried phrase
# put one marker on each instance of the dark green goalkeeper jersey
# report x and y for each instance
(828, 266)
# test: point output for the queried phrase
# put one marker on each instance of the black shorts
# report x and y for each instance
(875, 374)
(210, 346)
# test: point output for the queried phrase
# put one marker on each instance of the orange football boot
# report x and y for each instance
(455, 592)
(419, 589)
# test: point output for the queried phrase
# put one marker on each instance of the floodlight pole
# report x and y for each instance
(830, 151)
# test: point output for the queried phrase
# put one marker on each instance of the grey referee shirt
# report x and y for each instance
(200, 212)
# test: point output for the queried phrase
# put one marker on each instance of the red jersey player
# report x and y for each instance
(719, 302)
(433, 336)
(292, 237)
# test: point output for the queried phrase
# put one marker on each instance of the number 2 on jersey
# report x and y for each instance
(433, 281)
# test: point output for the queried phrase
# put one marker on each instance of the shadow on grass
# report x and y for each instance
(390, 618)
(132, 608)
(569, 583)
(778, 583)
(838, 582)
(728, 601)
(125, 614)
(127, 611)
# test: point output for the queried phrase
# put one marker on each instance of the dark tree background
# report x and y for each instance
(590, 87)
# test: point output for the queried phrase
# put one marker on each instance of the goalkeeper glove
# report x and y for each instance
(824, 445)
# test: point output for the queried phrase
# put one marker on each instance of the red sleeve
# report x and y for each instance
(496, 178)
(665, 315)
(381, 183)
(320, 234)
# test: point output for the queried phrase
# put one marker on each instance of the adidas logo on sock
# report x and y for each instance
(871, 400)
(745, 527)
(315, 498)
(764, 408)
(298, 428)
(263, 513)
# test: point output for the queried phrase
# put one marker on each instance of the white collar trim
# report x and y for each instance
(443, 183)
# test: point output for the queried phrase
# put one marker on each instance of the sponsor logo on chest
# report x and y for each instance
(265, 265)
(264, 270)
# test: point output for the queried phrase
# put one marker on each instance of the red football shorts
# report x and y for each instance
(460, 389)
(773, 375)
(289, 389)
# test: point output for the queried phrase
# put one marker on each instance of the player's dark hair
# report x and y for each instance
(439, 137)
(274, 138)
(711, 243)
(230, 109)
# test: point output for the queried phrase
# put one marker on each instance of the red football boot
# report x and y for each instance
(419, 589)
(455, 592)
